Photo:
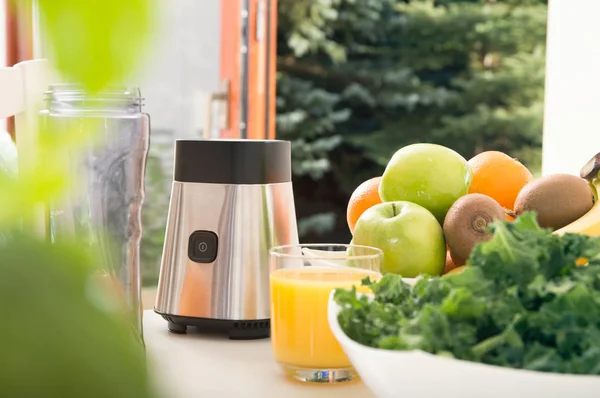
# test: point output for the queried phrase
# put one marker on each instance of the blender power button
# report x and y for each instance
(202, 246)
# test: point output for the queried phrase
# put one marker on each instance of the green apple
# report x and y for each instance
(410, 237)
(430, 175)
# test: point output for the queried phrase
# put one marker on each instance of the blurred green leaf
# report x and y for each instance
(96, 42)
(67, 332)
(61, 336)
(47, 176)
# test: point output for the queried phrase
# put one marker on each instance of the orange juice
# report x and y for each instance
(300, 332)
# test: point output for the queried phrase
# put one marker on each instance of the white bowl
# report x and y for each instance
(417, 374)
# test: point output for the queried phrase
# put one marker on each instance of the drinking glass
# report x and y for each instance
(301, 280)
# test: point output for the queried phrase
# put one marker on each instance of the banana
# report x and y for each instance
(589, 223)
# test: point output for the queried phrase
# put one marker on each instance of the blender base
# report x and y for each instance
(233, 329)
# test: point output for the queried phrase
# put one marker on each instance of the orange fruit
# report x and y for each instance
(449, 266)
(457, 261)
(364, 196)
(499, 176)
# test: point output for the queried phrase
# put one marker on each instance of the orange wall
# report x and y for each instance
(272, 69)
(262, 52)
(230, 61)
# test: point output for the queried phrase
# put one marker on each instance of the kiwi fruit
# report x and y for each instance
(466, 223)
(558, 199)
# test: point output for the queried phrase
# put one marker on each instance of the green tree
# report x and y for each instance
(154, 217)
(359, 79)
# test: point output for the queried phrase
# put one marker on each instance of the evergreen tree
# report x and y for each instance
(154, 215)
(359, 79)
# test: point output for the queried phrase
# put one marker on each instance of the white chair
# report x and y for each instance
(21, 96)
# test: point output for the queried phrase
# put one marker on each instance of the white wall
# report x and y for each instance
(572, 106)
(183, 65)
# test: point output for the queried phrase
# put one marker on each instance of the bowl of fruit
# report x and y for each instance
(520, 316)
(431, 206)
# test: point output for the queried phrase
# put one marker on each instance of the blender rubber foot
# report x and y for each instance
(176, 328)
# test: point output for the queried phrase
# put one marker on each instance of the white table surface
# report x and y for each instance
(197, 366)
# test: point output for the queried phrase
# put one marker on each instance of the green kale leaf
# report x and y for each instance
(525, 301)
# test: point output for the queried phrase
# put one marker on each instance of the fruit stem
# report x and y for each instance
(590, 170)
(510, 213)
(394, 209)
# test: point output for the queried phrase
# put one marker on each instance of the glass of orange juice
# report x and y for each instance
(301, 280)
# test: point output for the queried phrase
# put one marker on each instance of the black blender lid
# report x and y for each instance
(233, 161)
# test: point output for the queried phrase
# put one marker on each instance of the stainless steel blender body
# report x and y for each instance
(231, 201)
